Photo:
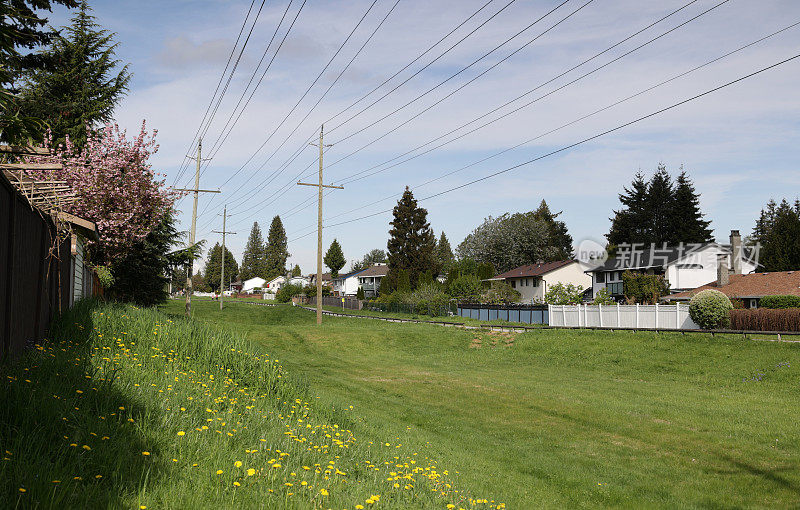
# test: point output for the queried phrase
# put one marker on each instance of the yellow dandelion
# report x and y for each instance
(251, 472)
(237, 484)
(22, 490)
(145, 453)
(324, 492)
(219, 471)
(181, 433)
(237, 464)
(86, 447)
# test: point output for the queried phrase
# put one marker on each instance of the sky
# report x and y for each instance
(739, 144)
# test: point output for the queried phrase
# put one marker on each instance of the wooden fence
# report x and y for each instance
(34, 284)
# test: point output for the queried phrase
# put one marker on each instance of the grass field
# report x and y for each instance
(559, 418)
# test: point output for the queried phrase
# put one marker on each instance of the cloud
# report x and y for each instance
(180, 53)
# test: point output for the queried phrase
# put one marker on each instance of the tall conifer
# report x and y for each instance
(411, 242)
(277, 249)
(254, 256)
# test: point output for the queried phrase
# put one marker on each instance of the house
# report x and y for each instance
(533, 280)
(250, 286)
(274, 285)
(370, 279)
(346, 284)
(326, 280)
(749, 288)
(684, 267)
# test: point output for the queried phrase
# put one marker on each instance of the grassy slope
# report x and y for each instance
(129, 408)
(562, 418)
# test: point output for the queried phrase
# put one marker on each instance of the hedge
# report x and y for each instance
(765, 319)
(779, 302)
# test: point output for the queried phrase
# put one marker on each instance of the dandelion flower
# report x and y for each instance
(251, 472)
(22, 490)
(181, 433)
(237, 464)
(145, 453)
(237, 484)
(324, 492)
(88, 448)
(219, 471)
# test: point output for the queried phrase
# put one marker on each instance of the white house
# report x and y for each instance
(248, 286)
(274, 285)
(683, 267)
(347, 284)
(370, 279)
(533, 281)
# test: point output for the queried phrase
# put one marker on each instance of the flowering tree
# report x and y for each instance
(115, 185)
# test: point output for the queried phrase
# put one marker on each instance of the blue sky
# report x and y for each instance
(740, 145)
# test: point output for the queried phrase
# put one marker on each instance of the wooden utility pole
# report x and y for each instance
(222, 267)
(319, 186)
(196, 190)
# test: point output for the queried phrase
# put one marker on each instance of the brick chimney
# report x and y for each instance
(723, 275)
(736, 252)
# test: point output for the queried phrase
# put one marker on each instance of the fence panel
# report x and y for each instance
(536, 314)
(621, 316)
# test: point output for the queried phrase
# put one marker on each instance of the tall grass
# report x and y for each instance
(132, 408)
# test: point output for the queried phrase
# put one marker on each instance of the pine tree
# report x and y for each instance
(558, 237)
(296, 271)
(444, 254)
(277, 249)
(660, 192)
(687, 219)
(631, 224)
(85, 82)
(779, 235)
(254, 256)
(334, 258)
(213, 264)
(411, 241)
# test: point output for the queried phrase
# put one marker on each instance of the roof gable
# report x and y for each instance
(533, 269)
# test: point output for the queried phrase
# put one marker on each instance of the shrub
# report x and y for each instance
(466, 288)
(560, 294)
(430, 299)
(779, 302)
(603, 297)
(311, 291)
(285, 294)
(711, 309)
(765, 319)
(360, 293)
(644, 288)
(500, 293)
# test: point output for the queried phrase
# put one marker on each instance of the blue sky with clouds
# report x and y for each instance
(740, 145)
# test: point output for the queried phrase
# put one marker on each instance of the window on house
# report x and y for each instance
(513, 284)
(600, 277)
(615, 289)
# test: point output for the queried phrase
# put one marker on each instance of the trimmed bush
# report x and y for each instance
(779, 302)
(710, 309)
(285, 294)
(765, 319)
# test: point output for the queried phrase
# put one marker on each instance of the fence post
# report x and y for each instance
(600, 312)
(637, 315)
(656, 315)
(564, 314)
(677, 315)
(618, 317)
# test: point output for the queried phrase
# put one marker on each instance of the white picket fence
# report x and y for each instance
(622, 316)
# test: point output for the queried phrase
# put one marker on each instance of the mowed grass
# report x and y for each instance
(556, 418)
(129, 408)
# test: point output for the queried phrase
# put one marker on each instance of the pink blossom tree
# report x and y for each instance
(115, 185)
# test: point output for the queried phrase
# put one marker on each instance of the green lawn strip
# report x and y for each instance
(655, 419)
(128, 408)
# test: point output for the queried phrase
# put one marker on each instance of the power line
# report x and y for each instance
(581, 142)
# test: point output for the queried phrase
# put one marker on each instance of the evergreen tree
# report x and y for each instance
(296, 270)
(254, 256)
(659, 212)
(22, 27)
(558, 236)
(277, 249)
(213, 264)
(687, 219)
(82, 86)
(778, 231)
(444, 254)
(631, 224)
(370, 258)
(334, 258)
(411, 242)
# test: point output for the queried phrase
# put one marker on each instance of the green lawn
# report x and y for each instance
(555, 418)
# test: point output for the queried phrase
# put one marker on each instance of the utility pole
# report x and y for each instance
(196, 190)
(319, 186)
(222, 267)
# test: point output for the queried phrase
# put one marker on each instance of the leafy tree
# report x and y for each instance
(411, 242)
(687, 219)
(277, 249)
(560, 294)
(510, 241)
(466, 288)
(296, 271)
(444, 254)
(644, 288)
(778, 231)
(287, 292)
(142, 274)
(83, 84)
(199, 283)
(22, 27)
(372, 257)
(558, 236)
(659, 211)
(213, 264)
(603, 297)
(334, 258)
(500, 293)
(468, 267)
(254, 256)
